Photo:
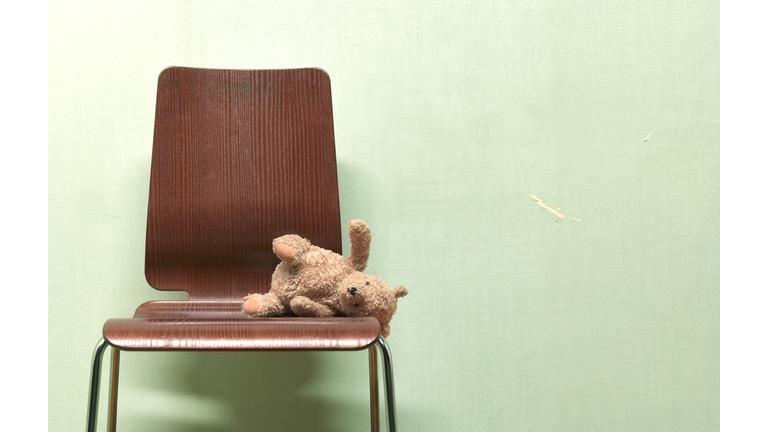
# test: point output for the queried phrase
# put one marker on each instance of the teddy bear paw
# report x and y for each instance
(290, 247)
(262, 305)
(284, 252)
(251, 305)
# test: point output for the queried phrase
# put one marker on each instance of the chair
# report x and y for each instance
(239, 158)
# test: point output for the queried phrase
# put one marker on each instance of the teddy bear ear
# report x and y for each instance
(400, 292)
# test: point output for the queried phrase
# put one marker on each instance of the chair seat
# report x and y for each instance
(224, 334)
(195, 310)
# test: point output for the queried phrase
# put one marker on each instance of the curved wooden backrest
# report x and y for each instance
(239, 158)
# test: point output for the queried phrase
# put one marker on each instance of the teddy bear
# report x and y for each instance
(314, 282)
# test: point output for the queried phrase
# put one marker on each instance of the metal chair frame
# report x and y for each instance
(380, 346)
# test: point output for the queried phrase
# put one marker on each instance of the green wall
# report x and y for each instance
(542, 176)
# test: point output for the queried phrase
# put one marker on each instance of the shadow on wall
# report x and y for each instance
(240, 391)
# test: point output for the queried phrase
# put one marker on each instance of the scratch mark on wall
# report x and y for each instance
(552, 210)
(541, 203)
(649, 135)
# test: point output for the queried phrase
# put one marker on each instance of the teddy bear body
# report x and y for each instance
(317, 277)
(312, 281)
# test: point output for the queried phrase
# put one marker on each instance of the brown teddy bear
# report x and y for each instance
(315, 282)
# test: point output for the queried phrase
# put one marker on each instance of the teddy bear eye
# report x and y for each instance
(367, 283)
(357, 304)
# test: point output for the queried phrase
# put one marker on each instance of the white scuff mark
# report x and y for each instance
(649, 135)
(552, 210)
(541, 203)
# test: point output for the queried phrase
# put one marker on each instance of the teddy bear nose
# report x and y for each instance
(352, 291)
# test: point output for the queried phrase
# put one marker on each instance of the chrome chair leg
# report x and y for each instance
(93, 397)
(380, 345)
(373, 374)
(389, 382)
(112, 422)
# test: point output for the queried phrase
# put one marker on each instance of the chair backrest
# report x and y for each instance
(240, 157)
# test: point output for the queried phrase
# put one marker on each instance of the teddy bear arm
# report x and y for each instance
(262, 305)
(305, 307)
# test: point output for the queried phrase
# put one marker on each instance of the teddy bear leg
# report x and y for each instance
(263, 305)
(290, 247)
(360, 238)
(304, 307)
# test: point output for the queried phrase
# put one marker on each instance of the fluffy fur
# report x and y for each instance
(315, 282)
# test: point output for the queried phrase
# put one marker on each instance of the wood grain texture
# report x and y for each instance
(239, 158)
(323, 334)
(188, 310)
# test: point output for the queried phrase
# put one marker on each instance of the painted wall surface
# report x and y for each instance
(543, 177)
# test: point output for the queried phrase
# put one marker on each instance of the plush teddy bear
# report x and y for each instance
(314, 282)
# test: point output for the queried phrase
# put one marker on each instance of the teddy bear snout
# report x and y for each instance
(352, 291)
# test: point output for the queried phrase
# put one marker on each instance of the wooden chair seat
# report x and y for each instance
(193, 334)
(189, 310)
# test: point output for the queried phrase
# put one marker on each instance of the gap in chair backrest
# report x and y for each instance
(239, 157)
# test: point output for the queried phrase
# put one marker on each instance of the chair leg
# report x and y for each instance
(380, 344)
(389, 382)
(373, 373)
(112, 425)
(93, 397)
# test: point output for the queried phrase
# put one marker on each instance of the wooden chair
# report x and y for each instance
(239, 158)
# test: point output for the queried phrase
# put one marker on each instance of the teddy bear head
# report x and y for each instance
(366, 295)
